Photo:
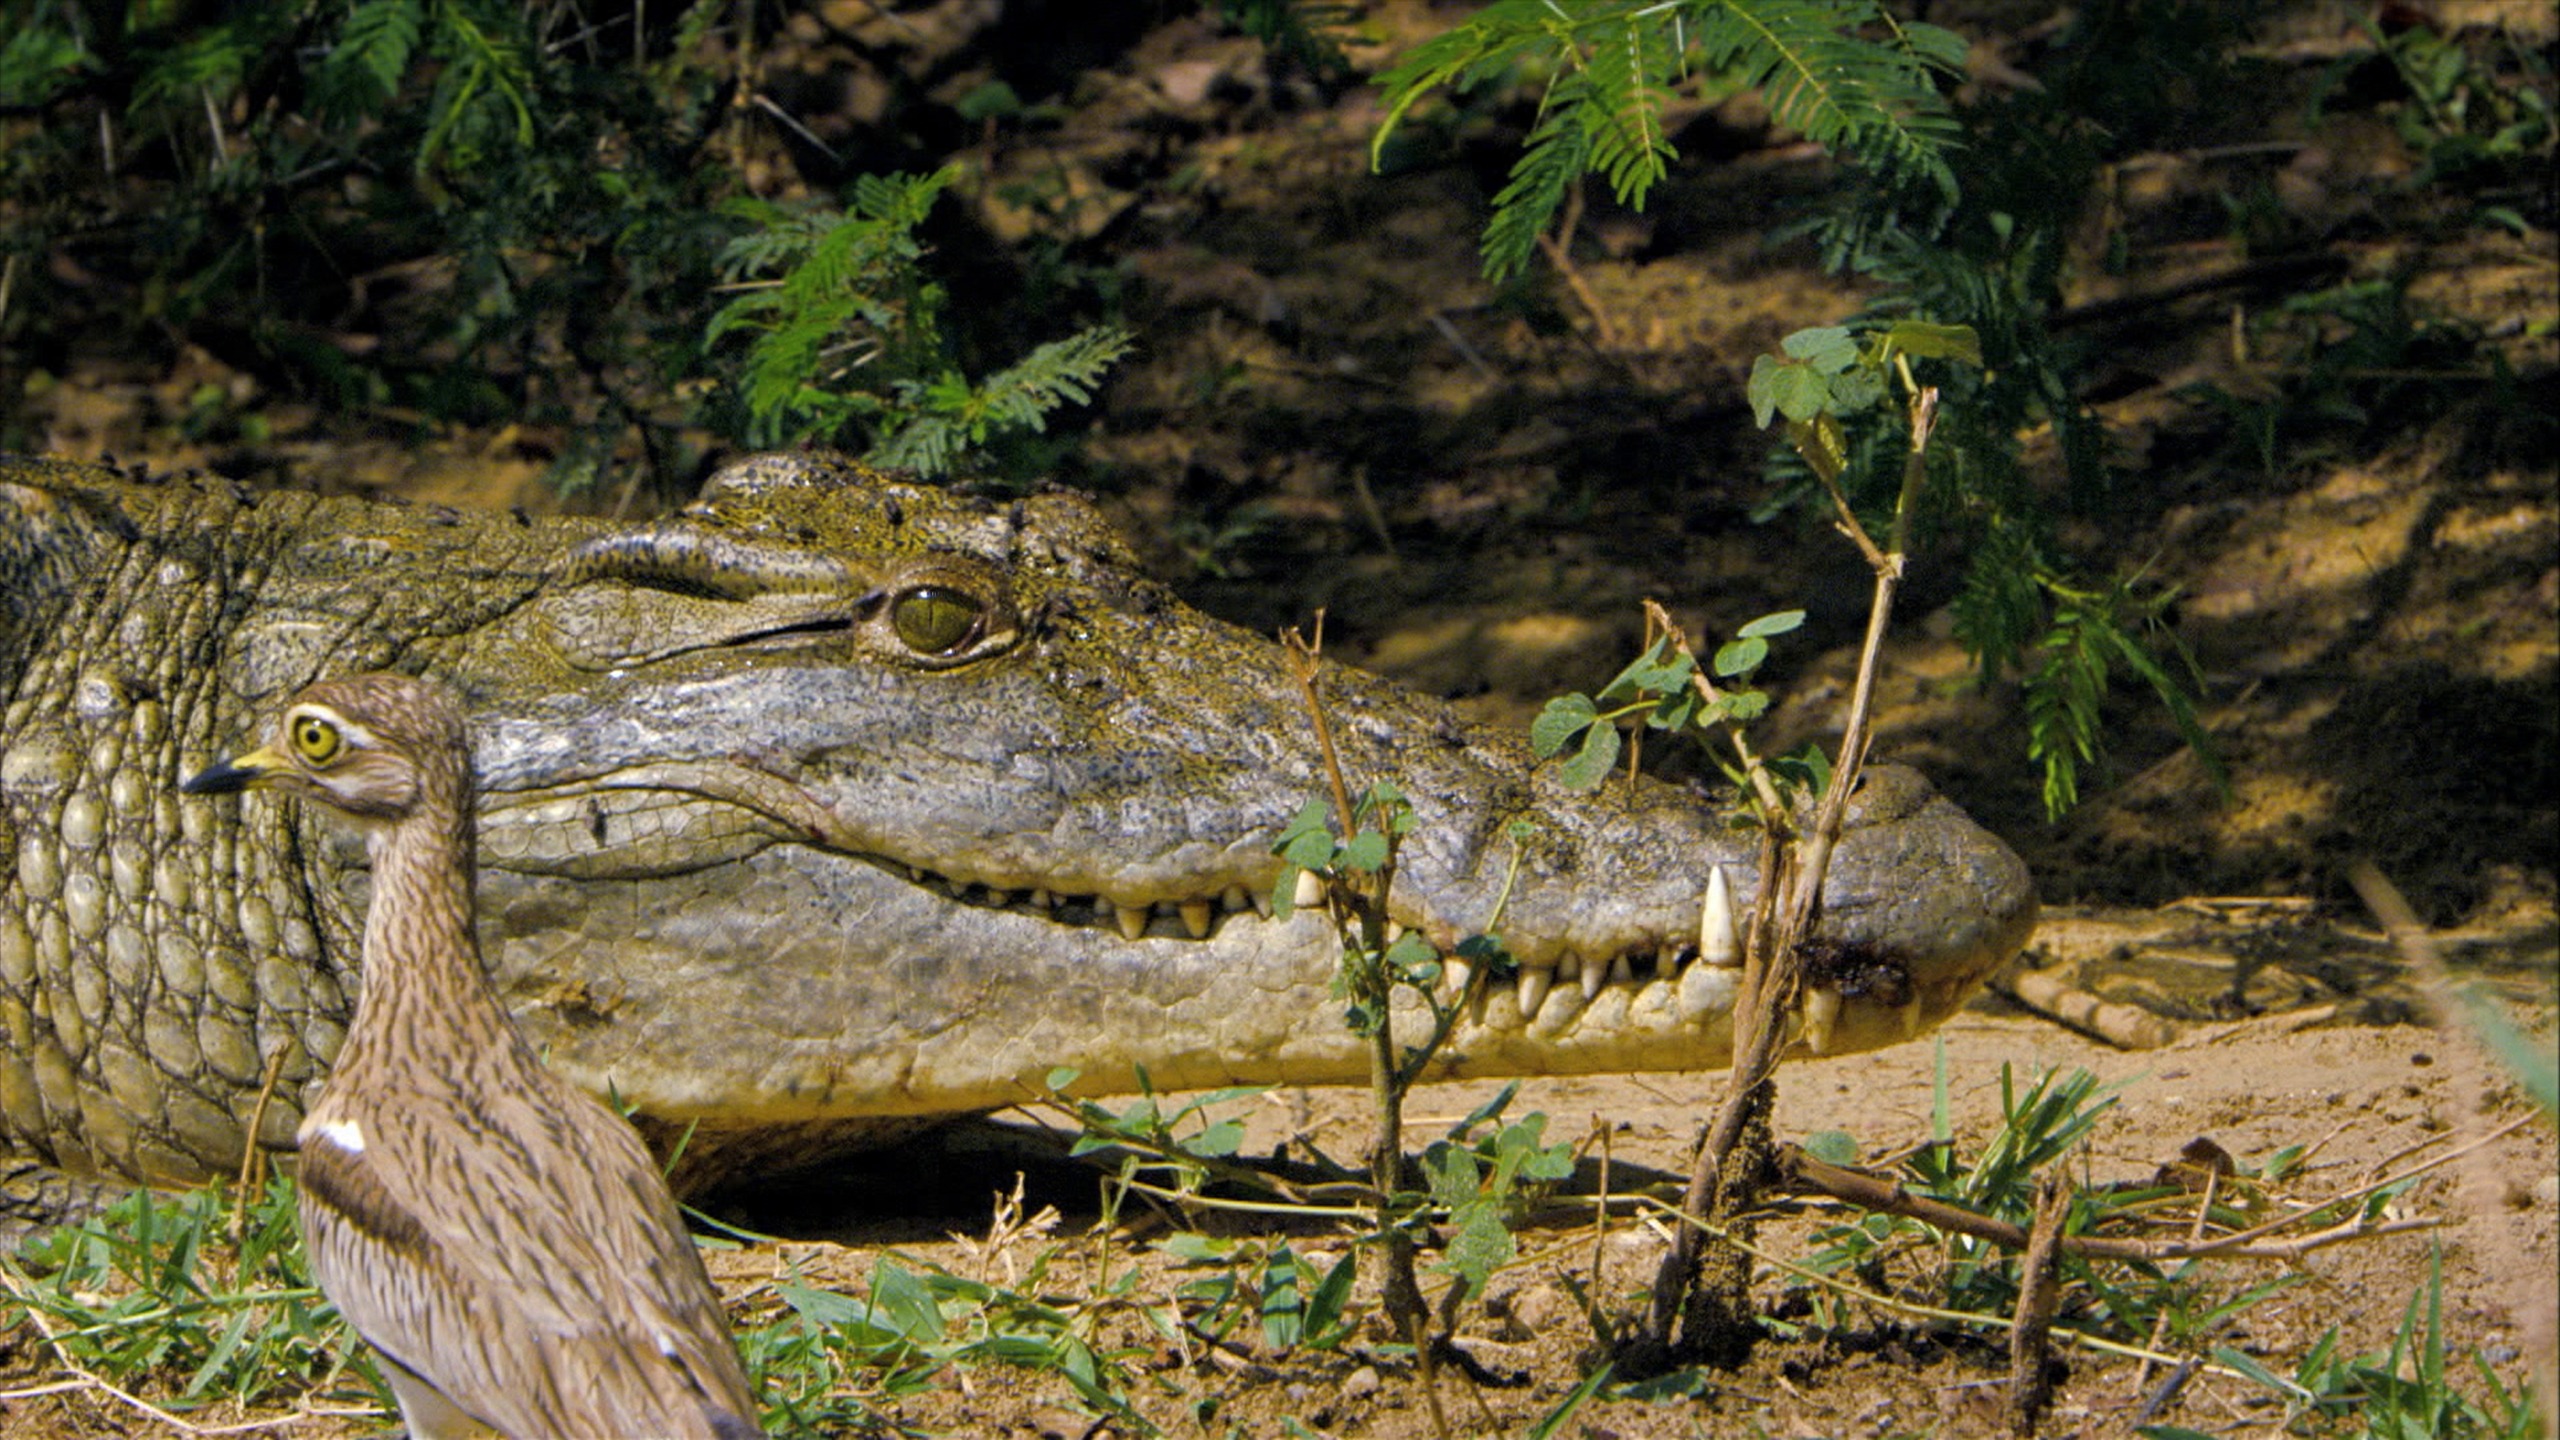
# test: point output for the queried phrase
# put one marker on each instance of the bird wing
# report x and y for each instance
(524, 1259)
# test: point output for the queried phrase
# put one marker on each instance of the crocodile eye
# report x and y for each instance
(936, 619)
(316, 740)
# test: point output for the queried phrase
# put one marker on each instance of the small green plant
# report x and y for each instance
(185, 1299)
(2037, 1128)
(1292, 1301)
(848, 341)
(1658, 691)
(836, 1358)
(1482, 1175)
(2410, 1392)
(2473, 125)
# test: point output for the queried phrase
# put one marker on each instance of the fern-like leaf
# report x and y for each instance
(1558, 152)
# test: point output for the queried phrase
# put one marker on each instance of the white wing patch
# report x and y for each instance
(347, 1135)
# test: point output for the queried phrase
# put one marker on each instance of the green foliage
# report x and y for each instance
(155, 1292)
(2406, 1393)
(2039, 1127)
(1610, 67)
(1482, 1176)
(848, 343)
(1660, 689)
(1294, 1301)
(2472, 125)
(554, 223)
(836, 1359)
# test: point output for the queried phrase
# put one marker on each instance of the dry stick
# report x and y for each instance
(1769, 976)
(1804, 1174)
(2039, 1289)
(252, 1155)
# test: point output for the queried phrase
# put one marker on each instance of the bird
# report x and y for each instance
(500, 1238)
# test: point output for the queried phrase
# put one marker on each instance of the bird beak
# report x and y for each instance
(240, 773)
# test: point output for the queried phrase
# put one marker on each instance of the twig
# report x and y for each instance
(2030, 1358)
(252, 1154)
(1790, 904)
(1805, 1174)
(2127, 1027)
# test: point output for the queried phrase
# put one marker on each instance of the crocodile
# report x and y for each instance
(829, 804)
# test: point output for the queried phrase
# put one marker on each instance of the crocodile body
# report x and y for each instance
(828, 802)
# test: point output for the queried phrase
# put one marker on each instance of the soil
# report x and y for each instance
(1330, 409)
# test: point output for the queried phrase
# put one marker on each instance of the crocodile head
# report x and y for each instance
(839, 797)
(829, 803)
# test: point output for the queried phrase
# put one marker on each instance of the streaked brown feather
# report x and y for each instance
(503, 1239)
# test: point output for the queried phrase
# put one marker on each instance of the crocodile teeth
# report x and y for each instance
(1396, 930)
(1133, 920)
(1310, 890)
(1261, 902)
(1594, 975)
(1042, 900)
(1622, 971)
(1718, 942)
(1459, 974)
(1235, 898)
(1195, 918)
(1821, 1016)
(1535, 980)
(1912, 1019)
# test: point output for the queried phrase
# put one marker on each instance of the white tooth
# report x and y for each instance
(1261, 900)
(1395, 931)
(1042, 900)
(1235, 898)
(1133, 920)
(1568, 966)
(1911, 1018)
(1310, 890)
(1594, 975)
(1534, 982)
(1195, 918)
(1456, 975)
(1622, 971)
(1821, 1016)
(1718, 942)
(1706, 992)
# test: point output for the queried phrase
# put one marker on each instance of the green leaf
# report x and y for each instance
(1741, 657)
(1565, 717)
(1779, 387)
(1411, 952)
(1312, 850)
(1591, 764)
(1829, 349)
(1366, 851)
(1832, 1147)
(1935, 342)
(1775, 623)
(1222, 1139)
(1482, 1245)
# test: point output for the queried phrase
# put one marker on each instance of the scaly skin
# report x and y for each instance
(759, 864)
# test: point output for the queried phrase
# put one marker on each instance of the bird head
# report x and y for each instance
(371, 746)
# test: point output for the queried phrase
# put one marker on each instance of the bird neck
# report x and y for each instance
(423, 983)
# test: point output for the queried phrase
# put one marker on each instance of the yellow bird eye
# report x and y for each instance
(315, 739)
(935, 619)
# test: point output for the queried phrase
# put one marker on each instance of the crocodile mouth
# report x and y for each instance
(674, 818)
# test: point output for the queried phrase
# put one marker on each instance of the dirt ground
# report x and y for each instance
(1330, 410)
